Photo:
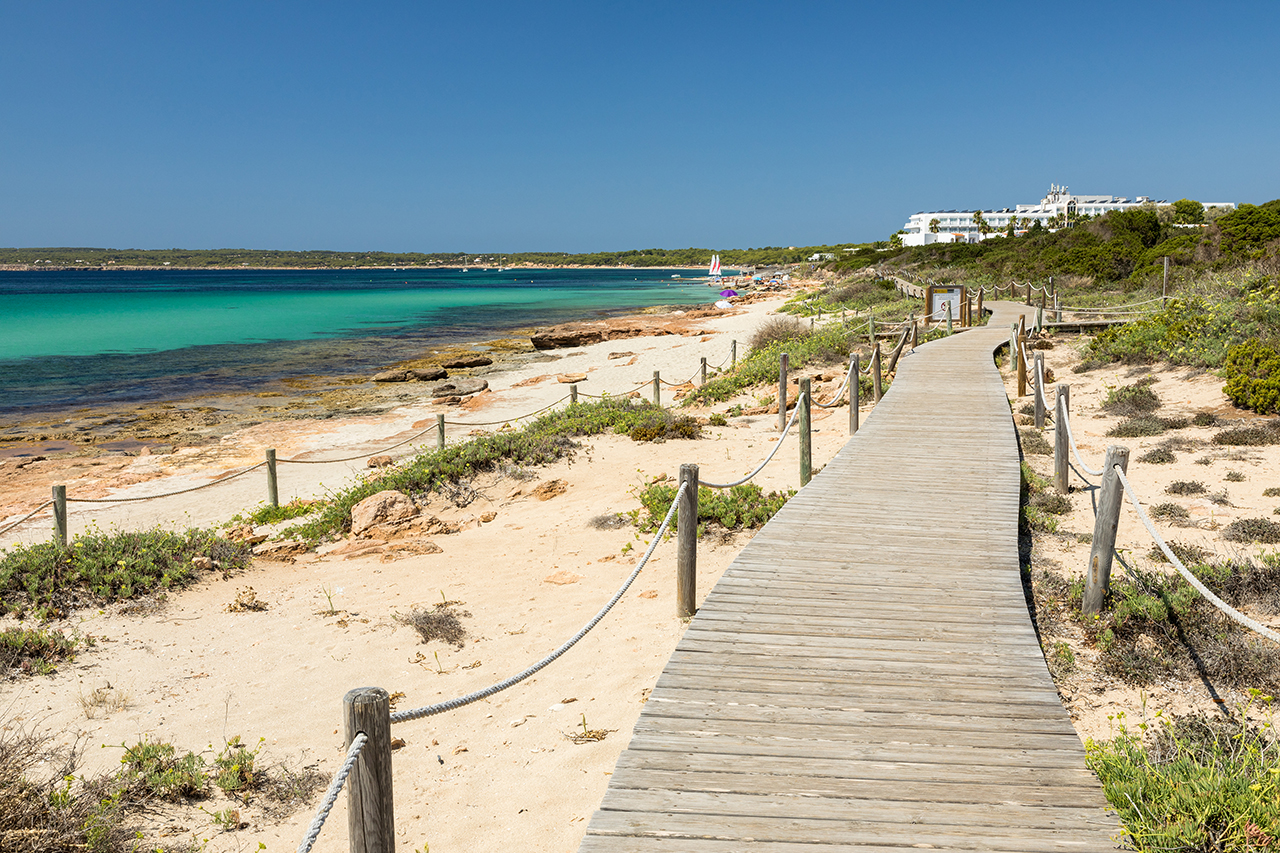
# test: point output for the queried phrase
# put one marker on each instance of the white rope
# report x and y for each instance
(767, 459)
(1066, 421)
(452, 704)
(1182, 570)
(331, 796)
(216, 482)
(1116, 307)
(14, 524)
(836, 399)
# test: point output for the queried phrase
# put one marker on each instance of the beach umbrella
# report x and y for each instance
(728, 293)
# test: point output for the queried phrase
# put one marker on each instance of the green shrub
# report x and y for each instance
(267, 514)
(1186, 487)
(1261, 530)
(1132, 400)
(540, 442)
(101, 568)
(1251, 435)
(1193, 783)
(1158, 455)
(1051, 502)
(155, 769)
(744, 506)
(35, 650)
(1271, 492)
(1205, 419)
(1252, 374)
(1034, 443)
(1170, 512)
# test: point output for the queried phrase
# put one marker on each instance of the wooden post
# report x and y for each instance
(439, 432)
(1039, 390)
(1028, 293)
(871, 329)
(819, 313)
(1098, 574)
(1013, 347)
(1039, 318)
(979, 320)
(60, 516)
(1164, 287)
(703, 372)
(657, 394)
(783, 364)
(273, 488)
(371, 823)
(1044, 295)
(573, 394)
(875, 373)
(1057, 309)
(854, 402)
(806, 430)
(915, 331)
(687, 544)
(948, 317)
(1022, 366)
(1061, 452)
(733, 354)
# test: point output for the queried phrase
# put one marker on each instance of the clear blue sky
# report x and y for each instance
(511, 126)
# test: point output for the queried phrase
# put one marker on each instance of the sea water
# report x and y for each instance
(79, 338)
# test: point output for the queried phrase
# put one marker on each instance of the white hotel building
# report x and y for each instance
(957, 226)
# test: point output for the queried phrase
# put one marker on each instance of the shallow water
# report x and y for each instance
(81, 338)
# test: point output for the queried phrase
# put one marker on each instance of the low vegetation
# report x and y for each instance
(745, 506)
(100, 568)
(1194, 783)
(543, 441)
(36, 651)
(45, 806)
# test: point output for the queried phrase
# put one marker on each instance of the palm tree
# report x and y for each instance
(933, 225)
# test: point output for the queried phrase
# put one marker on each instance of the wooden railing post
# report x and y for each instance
(687, 544)
(573, 393)
(1061, 452)
(60, 516)
(1028, 293)
(948, 317)
(783, 365)
(1013, 347)
(703, 372)
(978, 322)
(657, 393)
(871, 329)
(854, 380)
(806, 433)
(439, 432)
(733, 354)
(1039, 390)
(371, 823)
(1098, 574)
(1022, 365)
(876, 387)
(273, 486)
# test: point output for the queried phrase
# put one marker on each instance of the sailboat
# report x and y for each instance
(714, 272)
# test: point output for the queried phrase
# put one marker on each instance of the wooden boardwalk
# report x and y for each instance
(865, 676)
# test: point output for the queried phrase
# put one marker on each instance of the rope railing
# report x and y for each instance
(218, 481)
(767, 459)
(1190, 578)
(462, 701)
(836, 399)
(11, 525)
(1071, 440)
(331, 795)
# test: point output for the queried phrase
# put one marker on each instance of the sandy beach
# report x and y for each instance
(502, 774)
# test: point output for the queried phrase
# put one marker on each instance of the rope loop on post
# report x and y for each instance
(836, 399)
(767, 459)
(462, 701)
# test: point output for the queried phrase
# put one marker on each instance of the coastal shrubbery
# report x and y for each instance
(745, 506)
(540, 442)
(100, 567)
(1252, 371)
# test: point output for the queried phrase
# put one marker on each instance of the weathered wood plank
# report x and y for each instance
(865, 675)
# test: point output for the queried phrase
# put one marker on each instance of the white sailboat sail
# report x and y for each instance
(715, 266)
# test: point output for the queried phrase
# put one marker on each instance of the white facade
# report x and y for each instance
(1058, 206)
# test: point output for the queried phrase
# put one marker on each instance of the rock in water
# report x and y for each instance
(392, 376)
(469, 361)
(428, 374)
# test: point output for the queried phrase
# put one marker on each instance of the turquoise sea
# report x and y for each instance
(79, 338)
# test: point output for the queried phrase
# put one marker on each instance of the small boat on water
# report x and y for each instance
(714, 271)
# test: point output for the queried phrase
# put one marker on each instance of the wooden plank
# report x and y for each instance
(856, 681)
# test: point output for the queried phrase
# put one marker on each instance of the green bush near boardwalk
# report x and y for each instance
(99, 567)
(1194, 783)
(541, 442)
(735, 508)
(1252, 372)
